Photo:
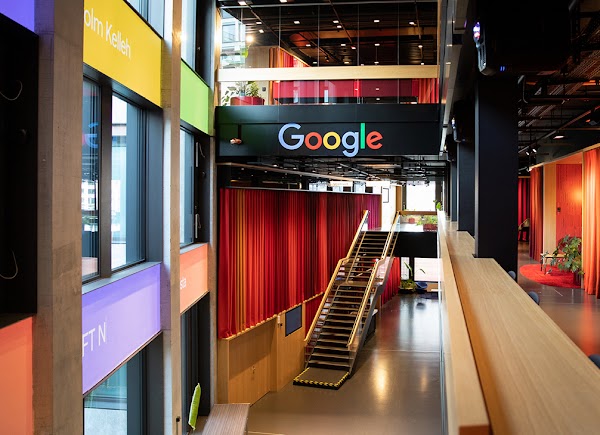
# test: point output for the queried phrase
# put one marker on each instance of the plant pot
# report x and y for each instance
(247, 101)
(411, 220)
(577, 279)
(420, 286)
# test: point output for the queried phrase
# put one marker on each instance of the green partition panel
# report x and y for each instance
(196, 100)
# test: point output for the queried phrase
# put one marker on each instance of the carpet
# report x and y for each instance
(557, 278)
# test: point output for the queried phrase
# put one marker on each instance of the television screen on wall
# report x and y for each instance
(293, 320)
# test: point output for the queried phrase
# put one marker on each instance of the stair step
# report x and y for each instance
(318, 363)
(336, 328)
(329, 340)
(332, 348)
(351, 308)
(329, 355)
(340, 321)
(343, 315)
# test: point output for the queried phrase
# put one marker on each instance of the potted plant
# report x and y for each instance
(430, 223)
(410, 285)
(570, 261)
(242, 94)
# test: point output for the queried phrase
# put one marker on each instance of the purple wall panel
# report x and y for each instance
(21, 11)
(118, 319)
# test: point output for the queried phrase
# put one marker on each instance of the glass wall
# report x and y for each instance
(153, 11)
(90, 171)
(115, 406)
(188, 32)
(127, 205)
(186, 189)
(421, 197)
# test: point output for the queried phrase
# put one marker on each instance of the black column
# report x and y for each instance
(453, 190)
(466, 187)
(496, 170)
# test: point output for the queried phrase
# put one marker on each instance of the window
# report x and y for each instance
(113, 172)
(115, 406)
(152, 11)
(186, 189)
(188, 32)
(89, 179)
(420, 197)
(127, 219)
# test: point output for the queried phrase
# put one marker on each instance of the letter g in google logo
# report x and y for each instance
(352, 141)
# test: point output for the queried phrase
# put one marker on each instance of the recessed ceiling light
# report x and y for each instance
(242, 3)
(258, 23)
(296, 22)
(376, 89)
(261, 31)
(377, 98)
(420, 45)
(308, 45)
(282, 1)
(346, 62)
(412, 23)
(339, 27)
(377, 45)
(559, 136)
(376, 63)
(343, 45)
(422, 63)
(335, 21)
(249, 38)
(353, 47)
(375, 21)
(314, 62)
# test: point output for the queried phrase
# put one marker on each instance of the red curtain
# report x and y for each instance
(393, 282)
(591, 222)
(279, 248)
(536, 227)
(310, 310)
(524, 200)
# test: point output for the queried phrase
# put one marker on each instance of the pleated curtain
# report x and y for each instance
(279, 248)
(590, 243)
(536, 229)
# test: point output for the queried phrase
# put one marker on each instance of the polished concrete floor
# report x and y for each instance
(395, 388)
(574, 311)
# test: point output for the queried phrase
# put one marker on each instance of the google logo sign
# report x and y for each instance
(352, 141)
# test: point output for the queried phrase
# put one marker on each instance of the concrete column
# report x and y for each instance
(57, 385)
(170, 316)
(466, 187)
(496, 170)
(212, 269)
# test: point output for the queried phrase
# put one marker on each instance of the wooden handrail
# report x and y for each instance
(334, 276)
(535, 380)
(465, 407)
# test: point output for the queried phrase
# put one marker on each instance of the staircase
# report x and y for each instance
(340, 326)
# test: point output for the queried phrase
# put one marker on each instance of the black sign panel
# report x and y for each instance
(344, 131)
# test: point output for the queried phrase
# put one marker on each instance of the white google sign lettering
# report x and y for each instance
(352, 141)
(105, 30)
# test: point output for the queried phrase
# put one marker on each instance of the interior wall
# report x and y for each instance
(569, 196)
(260, 360)
(549, 207)
(16, 378)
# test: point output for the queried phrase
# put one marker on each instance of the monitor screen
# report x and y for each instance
(293, 320)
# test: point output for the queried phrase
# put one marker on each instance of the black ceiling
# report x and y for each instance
(564, 102)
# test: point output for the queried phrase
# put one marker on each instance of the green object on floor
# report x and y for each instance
(194, 407)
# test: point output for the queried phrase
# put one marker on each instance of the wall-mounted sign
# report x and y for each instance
(196, 100)
(351, 141)
(20, 11)
(345, 130)
(117, 320)
(118, 43)
(193, 276)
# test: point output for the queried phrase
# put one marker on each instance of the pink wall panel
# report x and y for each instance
(568, 200)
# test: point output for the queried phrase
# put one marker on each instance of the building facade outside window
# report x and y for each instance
(188, 32)
(153, 11)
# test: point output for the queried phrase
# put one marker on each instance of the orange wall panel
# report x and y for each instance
(568, 200)
(16, 374)
(193, 276)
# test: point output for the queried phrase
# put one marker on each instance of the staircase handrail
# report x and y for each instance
(371, 280)
(334, 276)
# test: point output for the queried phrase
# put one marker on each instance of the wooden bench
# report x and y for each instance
(227, 419)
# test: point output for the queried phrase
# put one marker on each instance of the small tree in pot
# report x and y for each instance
(570, 248)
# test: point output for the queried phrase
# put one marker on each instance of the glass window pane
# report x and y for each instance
(186, 189)
(127, 223)
(105, 408)
(188, 32)
(90, 169)
(420, 197)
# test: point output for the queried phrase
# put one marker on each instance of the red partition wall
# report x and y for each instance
(536, 237)
(568, 201)
(393, 282)
(311, 308)
(279, 248)
(590, 244)
(524, 200)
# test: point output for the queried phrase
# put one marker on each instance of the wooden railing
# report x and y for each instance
(534, 379)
